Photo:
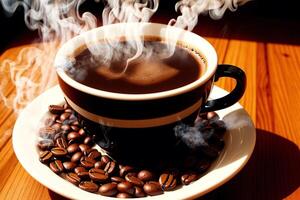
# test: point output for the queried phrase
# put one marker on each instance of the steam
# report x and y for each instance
(56, 21)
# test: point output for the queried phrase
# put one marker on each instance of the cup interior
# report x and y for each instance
(67, 53)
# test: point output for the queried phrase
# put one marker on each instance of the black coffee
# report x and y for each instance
(123, 69)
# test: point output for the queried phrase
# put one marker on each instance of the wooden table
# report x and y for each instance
(270, 57)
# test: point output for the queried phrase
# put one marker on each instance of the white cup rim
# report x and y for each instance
(152, 29)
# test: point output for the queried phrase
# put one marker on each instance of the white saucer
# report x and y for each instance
(239, 145)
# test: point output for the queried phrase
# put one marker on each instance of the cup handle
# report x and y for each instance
(235, 95)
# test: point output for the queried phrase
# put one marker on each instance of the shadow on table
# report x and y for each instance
(271, 173)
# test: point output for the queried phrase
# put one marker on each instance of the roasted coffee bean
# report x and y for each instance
(76, 157)
(47, 132)
(45, 156)
(72, 141)
(61, 142)
(68, 110)
(58, 151)
(74, 128)
(139, 192)
(79, 169)
(45, 144)
(87, 162)
(89, 186)
(88, 140)
(125, 170)
(126, 187)
(73, 136)
(134, 180)
(132, 174)
(146, 175)
(99, 165)
(69, 165)
(108, 189)
(94, 154)
(98, 175)
(123, 195)
(56, 109)
(84, 175)
(73, 178)
(105, 159)
(116, 179)
(66, 128)
(82, 132)
(210, 151)
(84, 148)
(110, 167)
(64, 116)
(167, 181)
(73, 148)
(56, 126)
(152, 188)
(56, 166)
(59, 121)
(189, 177)
(76, 123)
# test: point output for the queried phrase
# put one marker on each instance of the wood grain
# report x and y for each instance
(271, 99)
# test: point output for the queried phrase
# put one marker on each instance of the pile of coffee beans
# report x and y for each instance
(69, 151)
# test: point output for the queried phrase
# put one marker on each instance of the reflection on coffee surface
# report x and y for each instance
(112, 68)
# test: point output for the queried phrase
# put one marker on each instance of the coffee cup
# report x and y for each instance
(130, 125)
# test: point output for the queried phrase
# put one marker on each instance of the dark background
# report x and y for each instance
(273, 20)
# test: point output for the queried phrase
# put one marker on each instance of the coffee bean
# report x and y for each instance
(59, 121)
(45, 156)
(73, 178)
(108, 189)
(72, 141)
(98, 175)
(68, 110)
(152, 188)
(59, 152)
(73, 148)
(79, 169)
(76, 157)
(89, 186)
(45, 144)
(134, 180)
(76, 123)
(56, 166)
(105, 159)
(47, 132)
(74, 128)
(125, 170)
(116, 179)
(84, 148)
(99, 165)
(94, 154)
(84, 175)
(123, 195)
(88, 141)
(87, 163)
(69, 165)
(189, 177)
(56, 126)
(73, 136)
(126, 187)
(82, 133)
(61, 142)
(56, 109)
(146, 175)
(139, 192)
(64, 116)
(66, 128)
(212, 116)
(110, 167)
(167, 181)
(210, 151)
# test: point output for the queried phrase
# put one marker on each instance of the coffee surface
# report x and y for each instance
(125, 69)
